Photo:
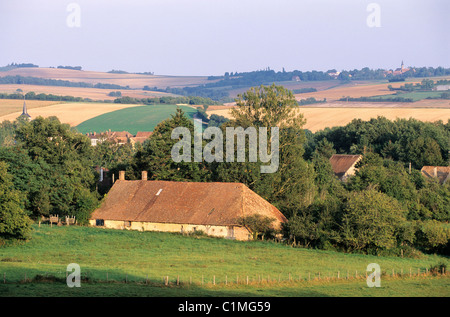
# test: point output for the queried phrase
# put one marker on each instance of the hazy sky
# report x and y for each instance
(210, 37)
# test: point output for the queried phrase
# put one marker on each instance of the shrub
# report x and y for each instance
(433, 236)
(258, 225)
(371, 222)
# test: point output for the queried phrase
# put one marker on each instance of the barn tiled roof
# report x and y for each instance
(442, 173)
(341, 163)
(183, 203)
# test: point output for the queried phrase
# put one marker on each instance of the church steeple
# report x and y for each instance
(25, 111)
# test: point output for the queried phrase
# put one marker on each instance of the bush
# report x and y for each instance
(433, 236)
(438, 268)
(371, 222)
(258, 225)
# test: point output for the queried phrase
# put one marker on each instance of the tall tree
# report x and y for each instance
(292, 184)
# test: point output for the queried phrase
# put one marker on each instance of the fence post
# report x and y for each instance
(338, 275)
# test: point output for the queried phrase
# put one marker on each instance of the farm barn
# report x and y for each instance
(213, 208)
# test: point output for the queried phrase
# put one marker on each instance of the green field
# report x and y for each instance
(414, 95)
(134, 119)
(203, 266)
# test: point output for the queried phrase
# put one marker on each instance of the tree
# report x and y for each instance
(258, 225)
(371, 222)
(292, 185)
(55, 157)
(156, 154)
(267, 106)
(14, 222)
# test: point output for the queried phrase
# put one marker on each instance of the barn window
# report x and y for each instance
(127, 224)
(99, 222)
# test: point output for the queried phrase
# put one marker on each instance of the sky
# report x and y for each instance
(211, 37)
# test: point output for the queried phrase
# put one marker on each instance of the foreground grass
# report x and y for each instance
(198, 263)
(437, 286)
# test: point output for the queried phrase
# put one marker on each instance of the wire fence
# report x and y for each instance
(211, 280)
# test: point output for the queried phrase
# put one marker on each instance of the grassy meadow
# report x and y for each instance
(414, 95)
(203, 266)
(134, 119)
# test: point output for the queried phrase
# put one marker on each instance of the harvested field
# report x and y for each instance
(354, 91)
(132, 80)
(9, 106)
(71, 113)
(92, 93)
(318, 118)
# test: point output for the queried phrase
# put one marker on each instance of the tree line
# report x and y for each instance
(29, 80)
(385, 209)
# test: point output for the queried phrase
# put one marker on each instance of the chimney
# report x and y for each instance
(144, 175)
(435, 171)
(122, 175)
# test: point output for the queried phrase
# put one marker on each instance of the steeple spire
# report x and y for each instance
(25, 112)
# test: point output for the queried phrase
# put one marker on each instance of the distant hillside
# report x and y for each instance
(134, 81)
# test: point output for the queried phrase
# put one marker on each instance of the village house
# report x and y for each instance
(344, 165)
(184, 207)
(119, 137)
(440, 173)
(140, 137)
